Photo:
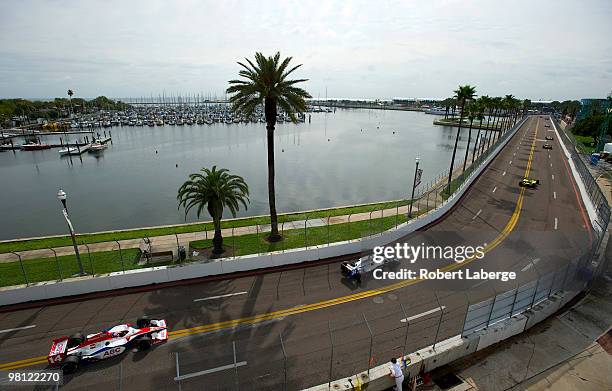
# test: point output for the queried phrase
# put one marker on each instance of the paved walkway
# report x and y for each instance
(170, 241)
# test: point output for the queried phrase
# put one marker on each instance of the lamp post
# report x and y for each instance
(416, 171)
(61, 195)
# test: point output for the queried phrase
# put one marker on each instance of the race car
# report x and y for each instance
(547, 125)
(68, 353)
(356, 269)
(530, 183)
(548, 137)
(547, 146)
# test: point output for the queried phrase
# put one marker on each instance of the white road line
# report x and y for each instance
(530, 264)
(549, 155)
(220, 296)
(514, 154)
(213, 370)
(553, 177)
(504, 173)
(551, 165)
(495, 188)
(432, 311)
(477, 213)
(556, 222)
(18, 328)
(480, 283)
(510, 162)
(555, 195)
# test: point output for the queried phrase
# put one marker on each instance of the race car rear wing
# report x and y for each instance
(57, 353)
(160, 336)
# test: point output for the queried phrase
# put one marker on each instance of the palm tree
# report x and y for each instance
(479, 115)
(70, 93)
(471, 114)
(487, 106)
(462, 94)
(508, 104)
(497, 107)
(215, 190)
(265, 82)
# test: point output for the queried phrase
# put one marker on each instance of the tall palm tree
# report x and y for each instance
(479, 115)
(265, 82)
(215, 190)
(70, 93)
(463, 94)
(508, 104)
(497, 108)
(487, 107)
(471, 114)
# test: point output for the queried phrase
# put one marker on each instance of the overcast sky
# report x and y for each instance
(371, 49)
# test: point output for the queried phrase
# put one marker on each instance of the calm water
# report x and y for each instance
(339, 159)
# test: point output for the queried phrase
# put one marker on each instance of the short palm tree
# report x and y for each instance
(265, 82)
(215, 190)
(463, 94)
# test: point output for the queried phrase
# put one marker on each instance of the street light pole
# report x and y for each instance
(416, 170)
(61, 195)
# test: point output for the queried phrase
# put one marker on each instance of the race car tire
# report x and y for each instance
(75, 340)
(143, 322)
(144, 343)
(70, 365)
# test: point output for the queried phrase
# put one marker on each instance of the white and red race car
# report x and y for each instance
(69, 353)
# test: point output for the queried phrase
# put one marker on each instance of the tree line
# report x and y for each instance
(53, 109)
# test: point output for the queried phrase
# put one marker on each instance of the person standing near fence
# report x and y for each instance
(397, 374)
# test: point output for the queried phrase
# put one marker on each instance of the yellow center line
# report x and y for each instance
(250, 320)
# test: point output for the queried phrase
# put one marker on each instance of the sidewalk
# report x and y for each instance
(170, 241)
(561, 353)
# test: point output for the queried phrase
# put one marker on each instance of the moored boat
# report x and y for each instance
(67, 151)
(34, 146)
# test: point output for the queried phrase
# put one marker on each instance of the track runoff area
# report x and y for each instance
(499, 234)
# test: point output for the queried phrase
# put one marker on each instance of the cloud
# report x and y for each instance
(354, 49)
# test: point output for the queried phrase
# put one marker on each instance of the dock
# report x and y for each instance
(82, 147)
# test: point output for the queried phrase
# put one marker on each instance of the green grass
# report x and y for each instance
(585, 144)
(46, 269)
(35, 244)
(296, 238)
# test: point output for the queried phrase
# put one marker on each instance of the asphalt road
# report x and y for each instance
(527, 231)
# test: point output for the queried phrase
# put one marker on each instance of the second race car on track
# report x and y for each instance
(530, 183)
(547, 146)
(68, 353)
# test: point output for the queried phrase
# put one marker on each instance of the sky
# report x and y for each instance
(536, 49)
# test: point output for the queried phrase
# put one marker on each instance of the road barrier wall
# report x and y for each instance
(156, 275)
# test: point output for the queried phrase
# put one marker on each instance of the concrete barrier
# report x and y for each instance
(141, 277)
(449, 350)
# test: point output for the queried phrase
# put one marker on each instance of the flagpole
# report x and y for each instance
(414, 184)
